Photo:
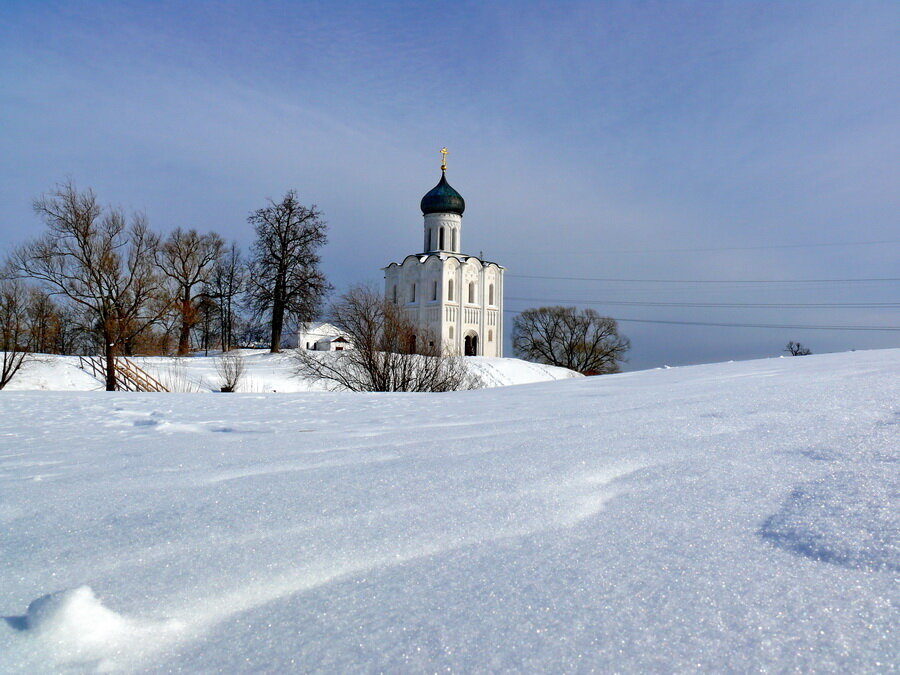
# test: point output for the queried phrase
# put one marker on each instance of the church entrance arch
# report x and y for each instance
(471, 344)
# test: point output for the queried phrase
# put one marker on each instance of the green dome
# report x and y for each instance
(443, 199)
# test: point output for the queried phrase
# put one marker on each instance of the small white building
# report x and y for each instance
(454, 297)
(322, 337)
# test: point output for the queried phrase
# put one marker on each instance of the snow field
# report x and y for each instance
(264, 373)
(738, 516)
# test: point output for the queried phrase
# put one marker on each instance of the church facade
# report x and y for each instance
(453, 297)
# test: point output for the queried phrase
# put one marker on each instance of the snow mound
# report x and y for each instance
(264, 373)
(73, 627)
(75, 618)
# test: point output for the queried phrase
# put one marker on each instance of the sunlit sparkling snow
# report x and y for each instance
(738, 516)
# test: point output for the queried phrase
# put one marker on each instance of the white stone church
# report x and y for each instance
(454, 297)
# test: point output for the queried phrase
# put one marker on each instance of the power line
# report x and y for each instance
(709, 281)
(765, 325)
(748, 325)
(736, 248)
(749, 305)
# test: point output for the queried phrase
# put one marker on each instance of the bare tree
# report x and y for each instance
(563, 336)
(797, 349)
(15, 336)
(101, 262)
(206, 311)
(249, 332)
(230, 367)
(72, 336)
(224, 286)
(188, 260)
(387, 353)
(285, 280)
(44, 321)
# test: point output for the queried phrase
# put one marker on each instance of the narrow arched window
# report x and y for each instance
(442, 239)
(491, 294)
(451, 332)
(395, 294)
(429, 240)
(472, 292)
(490, 336)
(454, 240)
(450, 291)
(412, 293)
(434, 291)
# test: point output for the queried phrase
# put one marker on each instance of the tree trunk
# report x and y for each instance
(110, 366)
(184, 337)
(277, 320)
(226, 326)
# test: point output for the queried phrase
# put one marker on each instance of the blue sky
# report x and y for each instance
(690, 141)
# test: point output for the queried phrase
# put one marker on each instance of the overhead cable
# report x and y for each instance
(748, 325)
(709, 281)
(749, 305)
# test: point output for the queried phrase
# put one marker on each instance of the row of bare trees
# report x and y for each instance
(101, 279)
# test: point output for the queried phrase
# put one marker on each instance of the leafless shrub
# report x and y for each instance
(388, 353)
(175, 378)
(250, 385)
(230, 366)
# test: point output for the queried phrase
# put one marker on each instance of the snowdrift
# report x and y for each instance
(265, 373)
(738, 516)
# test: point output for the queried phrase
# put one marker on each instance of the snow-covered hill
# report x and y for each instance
(264, 372)
(738, 516)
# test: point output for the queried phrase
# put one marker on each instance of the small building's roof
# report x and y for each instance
(336, 338)
(319, 328)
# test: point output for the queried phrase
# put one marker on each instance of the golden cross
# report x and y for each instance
(444, 153)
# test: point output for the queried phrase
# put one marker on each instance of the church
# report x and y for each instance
(455, 297)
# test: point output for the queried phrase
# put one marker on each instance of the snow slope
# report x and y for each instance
(737, 516)
(264, 372)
